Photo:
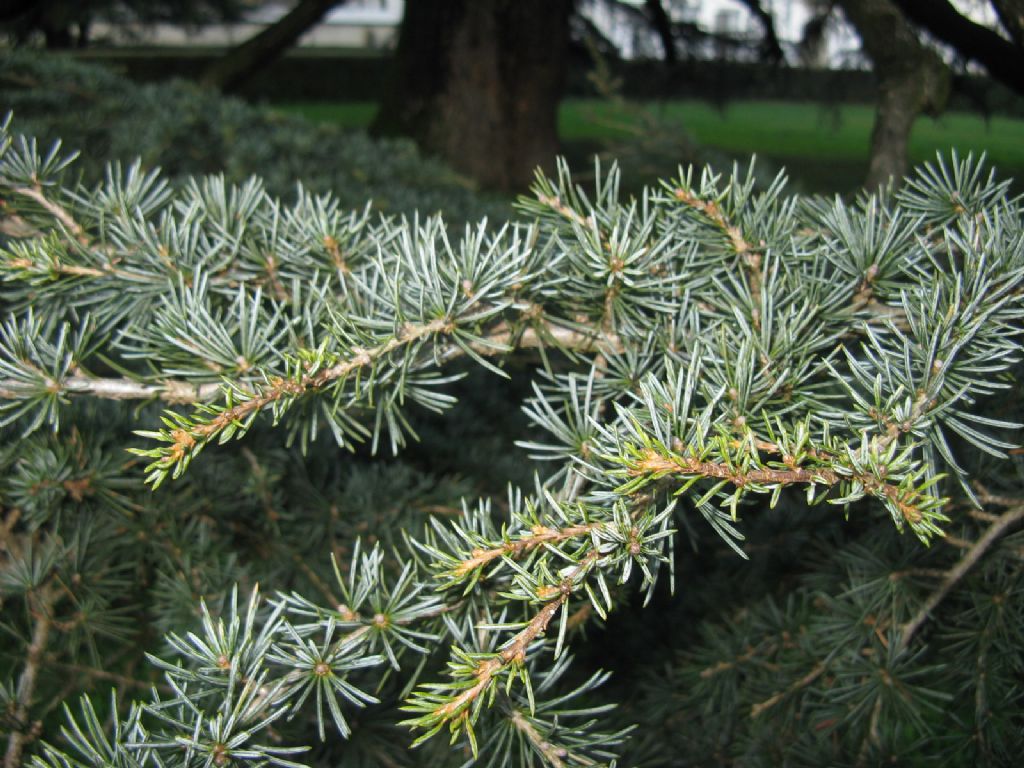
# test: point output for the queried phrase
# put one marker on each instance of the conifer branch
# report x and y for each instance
(651, 463)
(42, 602)
(540, 335)
(758, 709)
(552, 753)
(36, 194)
(458, 708)
(751, 258)
(675, 379)
(555, 204)
(969, 559)
(538, 536)
(171, 391)
(513, 653)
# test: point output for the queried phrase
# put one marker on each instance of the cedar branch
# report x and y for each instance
(751, 258)
(515, 650)
(958, 571)
(35, 193)
(652, 463)
(42, 614)
(542, 335)
(539, 535)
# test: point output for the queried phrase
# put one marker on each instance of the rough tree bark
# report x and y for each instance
(240, 64)
(911, 79)
(478, 83)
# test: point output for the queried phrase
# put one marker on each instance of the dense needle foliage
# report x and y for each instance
(764, 494)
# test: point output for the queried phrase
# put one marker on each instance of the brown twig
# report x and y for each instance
(124, 681)
(515, 650)
(35, 193)
(750, 256)
(553, 754)
(958, 571)
(803, 682)
(538, 536)
(873, 736)
(653, 463)
(42, 602)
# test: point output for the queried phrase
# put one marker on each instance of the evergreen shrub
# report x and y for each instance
(764, 503)
(187, 130)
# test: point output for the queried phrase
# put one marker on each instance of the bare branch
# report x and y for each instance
(957, 572)
(42, 612)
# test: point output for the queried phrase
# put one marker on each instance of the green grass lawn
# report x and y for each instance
(825, 148)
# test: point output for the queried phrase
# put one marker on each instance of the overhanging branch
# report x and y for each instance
(1003, 60)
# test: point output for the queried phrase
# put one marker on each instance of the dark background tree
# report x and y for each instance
(663, 27)
(1002, 58)
(243, 62)
(66, 23)
(912, 79)
(478, 82)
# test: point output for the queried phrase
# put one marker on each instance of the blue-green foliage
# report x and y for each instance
(737, 399)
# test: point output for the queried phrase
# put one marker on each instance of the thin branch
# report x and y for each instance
(124, 681)
(873, 736)
(42, 614)
(35, 193)
(543, 334)
(803, 682)
(553, 754)
(653, 463)
(177, 392)
(10, 519)
(663, 26)
(538, 536)
(957, 572)
(751, 258)
(770, 46)
(515, 650)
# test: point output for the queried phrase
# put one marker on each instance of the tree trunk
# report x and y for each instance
(911, 79)
(663, 27)
(478, 83)
(771, 48)
(55, 19)
(241, 63)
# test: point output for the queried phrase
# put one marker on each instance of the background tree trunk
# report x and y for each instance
(478, 82)
(239, 64)
(771, 48)
(911, 79)
(663, 27)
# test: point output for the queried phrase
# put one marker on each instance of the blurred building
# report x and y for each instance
(356, 24)
(726, 29)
